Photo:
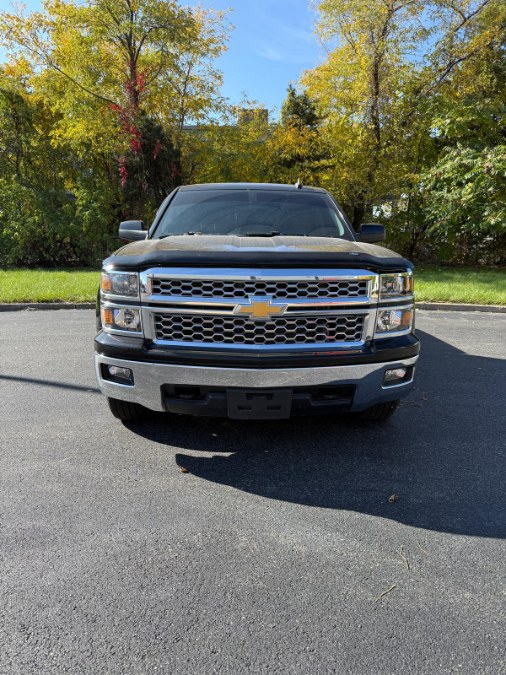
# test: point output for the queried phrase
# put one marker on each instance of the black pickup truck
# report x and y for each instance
(254, 301)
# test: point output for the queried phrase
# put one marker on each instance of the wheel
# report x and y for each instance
(378, 412)
(126, 411)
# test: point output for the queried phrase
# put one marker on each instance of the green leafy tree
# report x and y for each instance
(298, 109)
(93, 102)
(466, 202)
(296, 148)
(378, 100)
(465, 187)
(54, 210)
(235, 149)
(116, 69)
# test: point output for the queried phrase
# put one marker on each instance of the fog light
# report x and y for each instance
(118, 374)
(394, 375)
(122, 373)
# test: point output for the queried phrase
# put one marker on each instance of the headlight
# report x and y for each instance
(395, 286)
(120, 283)
(394, 320)
(121, 318)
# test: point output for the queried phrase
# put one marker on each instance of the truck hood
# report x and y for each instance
(257, 252)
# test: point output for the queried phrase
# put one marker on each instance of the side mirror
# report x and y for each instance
(370, 233)
(132, 230)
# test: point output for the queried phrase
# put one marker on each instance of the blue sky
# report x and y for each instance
(272, 43)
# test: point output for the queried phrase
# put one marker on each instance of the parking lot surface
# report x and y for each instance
(279, 551)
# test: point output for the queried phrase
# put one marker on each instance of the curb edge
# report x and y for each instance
(19, 306)
(460, 307)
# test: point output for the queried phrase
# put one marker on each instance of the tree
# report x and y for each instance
(388, 62)
(115, 69)
(298, 109)
(54, 209)
(465, 187)
(236, 149)
(466, 202)
(296, 147)
(358, 90)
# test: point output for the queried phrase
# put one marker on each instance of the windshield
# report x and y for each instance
(250, 213)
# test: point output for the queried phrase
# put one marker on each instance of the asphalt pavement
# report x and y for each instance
(306, 546)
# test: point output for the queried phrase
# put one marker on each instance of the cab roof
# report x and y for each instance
(249, 186)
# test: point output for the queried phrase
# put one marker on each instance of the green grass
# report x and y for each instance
(37, 285)
(444, 284)
(481, 286)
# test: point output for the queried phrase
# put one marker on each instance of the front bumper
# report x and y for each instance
(151, 380)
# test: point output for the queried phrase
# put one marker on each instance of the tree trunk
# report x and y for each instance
(358, 214)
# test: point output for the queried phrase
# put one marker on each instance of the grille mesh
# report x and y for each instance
(244, 331)
(235, 288)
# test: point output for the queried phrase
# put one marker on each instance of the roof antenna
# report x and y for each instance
(298, 184)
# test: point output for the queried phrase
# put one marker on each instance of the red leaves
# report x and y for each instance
(134, 86)
(140, 82)
(137, 82)
(135, 145)
(123, 174)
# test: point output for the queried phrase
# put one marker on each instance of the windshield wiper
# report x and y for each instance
(274, 233)
(178, 234)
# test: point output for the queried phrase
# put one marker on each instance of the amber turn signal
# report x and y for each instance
(107, 317)
(105, 283)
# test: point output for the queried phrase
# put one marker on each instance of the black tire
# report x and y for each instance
(378, 412)
(126, 411)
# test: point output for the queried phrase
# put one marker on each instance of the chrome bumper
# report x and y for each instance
(150, 377)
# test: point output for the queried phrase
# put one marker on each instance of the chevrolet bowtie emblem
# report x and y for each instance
(260, 308)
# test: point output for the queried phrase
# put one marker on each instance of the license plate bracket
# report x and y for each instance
(259, 404)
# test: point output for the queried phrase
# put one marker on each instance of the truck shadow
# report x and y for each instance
(442, 454)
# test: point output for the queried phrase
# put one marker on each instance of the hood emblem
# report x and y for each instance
(260, 309)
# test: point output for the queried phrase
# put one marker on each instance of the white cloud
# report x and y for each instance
(288, 37)
(270, 53)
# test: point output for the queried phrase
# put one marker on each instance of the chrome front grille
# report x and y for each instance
(243, 288)
(259, 308)
(238, 330)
